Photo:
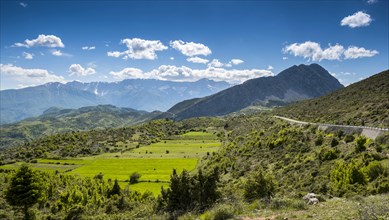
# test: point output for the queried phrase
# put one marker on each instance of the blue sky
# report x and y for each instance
(45, 41)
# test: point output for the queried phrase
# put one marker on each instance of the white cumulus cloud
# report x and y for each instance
(190, 48)
(129, 73)
(236, 61)
(183, 73)
(215, 63)
(57, 53)
(28, 77)
(78, 70)
(197, 60)
(354, 52)
(42, 41)
(139, 49)
(313, 51)
(88, 48)
(358, 19)
(24, 5)
(28, 56)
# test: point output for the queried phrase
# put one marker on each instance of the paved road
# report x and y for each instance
(332, 125)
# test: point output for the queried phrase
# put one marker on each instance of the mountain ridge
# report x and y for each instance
(293, 84)
(140, 94)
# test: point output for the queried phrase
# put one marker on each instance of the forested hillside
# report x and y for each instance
(56, 120)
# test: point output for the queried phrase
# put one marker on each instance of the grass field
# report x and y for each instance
(154, 162)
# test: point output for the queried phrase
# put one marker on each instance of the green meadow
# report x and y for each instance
(153, 162)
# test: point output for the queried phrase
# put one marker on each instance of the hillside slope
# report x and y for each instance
(362, 103)
(295, 83)
(55, 120)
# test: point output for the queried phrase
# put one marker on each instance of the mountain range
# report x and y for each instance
(293, 84)
(148, 95)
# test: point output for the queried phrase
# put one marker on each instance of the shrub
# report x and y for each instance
(134, 178)
(374, 169)
(348, 138)
(346, 178)
(328, 154)
(360, 144)
(319, 140)
(220, 212)
(334, 142)
(259, 185)
(99, 176)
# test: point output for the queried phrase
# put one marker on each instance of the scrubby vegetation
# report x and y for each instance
(263, 168)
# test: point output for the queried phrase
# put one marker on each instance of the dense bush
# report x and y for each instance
(259, 186)
(189, 193)
(134, 178)
(344, 176)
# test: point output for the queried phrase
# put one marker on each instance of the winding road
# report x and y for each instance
(370, 132)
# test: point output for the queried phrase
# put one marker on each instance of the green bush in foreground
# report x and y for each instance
(259, 185)
(189, 193)
(25, 189)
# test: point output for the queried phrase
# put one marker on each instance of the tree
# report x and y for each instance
(186, 192)
(25, 189)
(134, 178)
(115, 189)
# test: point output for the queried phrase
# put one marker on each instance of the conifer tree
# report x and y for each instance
(25, 189)
(115, 189)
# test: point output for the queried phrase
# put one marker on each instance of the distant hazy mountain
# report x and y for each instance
(18, 104)
(56, 120)
(363, 103)
(293, 84)
(149, 95)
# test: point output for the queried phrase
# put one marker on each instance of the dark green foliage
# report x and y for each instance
(344, 176)
(99, 176)
(349, 138)
(319, 140)
(115, 189)
(328, 154)
(186, 193)
(259, 186)
(334, 142)
(375, 169)
(134, 178)
(25, 189)
(360, 144)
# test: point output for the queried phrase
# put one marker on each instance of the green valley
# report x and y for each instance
(153, 162)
